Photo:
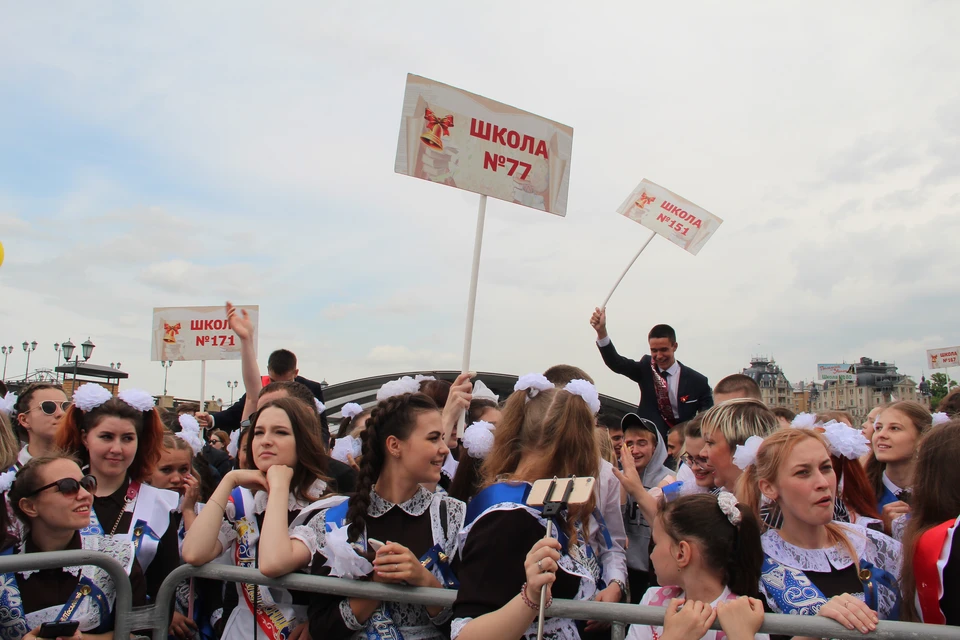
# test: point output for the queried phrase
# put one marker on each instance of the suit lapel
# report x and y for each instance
(681, 389)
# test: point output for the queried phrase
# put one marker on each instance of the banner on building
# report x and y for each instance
(943, 358)
(197, 333)
(835, 372)
(460, 139)
(676, 219)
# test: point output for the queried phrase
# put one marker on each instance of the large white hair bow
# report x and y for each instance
(478, 439)
(406, 384)
(746, 453)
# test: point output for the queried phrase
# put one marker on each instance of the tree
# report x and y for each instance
(938, 388)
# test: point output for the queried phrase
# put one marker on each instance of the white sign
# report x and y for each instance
(676, 219)
(835, 372)
(460, 139)
(943, 358)
(197, 333)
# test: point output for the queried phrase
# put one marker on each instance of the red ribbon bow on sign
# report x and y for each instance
(432, 121)
(644, 200)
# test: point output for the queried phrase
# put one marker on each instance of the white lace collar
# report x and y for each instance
(294, 503)
(888, 483)
(819, 560)
(415, 506)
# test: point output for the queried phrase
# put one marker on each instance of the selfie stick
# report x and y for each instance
(551, 508)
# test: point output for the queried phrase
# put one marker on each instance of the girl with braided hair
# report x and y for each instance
(403, 448)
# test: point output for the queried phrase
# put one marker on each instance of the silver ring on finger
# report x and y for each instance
(540, 565)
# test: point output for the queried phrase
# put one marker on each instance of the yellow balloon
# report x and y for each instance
(1, 253)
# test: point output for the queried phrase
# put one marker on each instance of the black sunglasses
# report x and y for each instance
(69, 486)
(49, 407)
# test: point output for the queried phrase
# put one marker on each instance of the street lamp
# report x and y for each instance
(6, 351)
(56, 347)
(231, 386)
(68, 348)
(166, 364)
(29, 348)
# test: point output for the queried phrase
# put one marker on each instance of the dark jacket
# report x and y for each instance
(693, 391)
(229, 419)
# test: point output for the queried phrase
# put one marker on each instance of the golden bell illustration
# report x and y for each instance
(436, 129)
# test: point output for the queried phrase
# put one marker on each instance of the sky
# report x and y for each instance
(175, 154)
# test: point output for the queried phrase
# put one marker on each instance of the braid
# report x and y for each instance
(393, 416)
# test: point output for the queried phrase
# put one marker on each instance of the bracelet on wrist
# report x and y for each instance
(533, 605)
(623, 588)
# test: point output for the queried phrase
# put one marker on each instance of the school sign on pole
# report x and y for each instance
(197, 333)
(460, 139)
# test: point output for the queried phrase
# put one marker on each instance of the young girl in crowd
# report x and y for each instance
(392, 528)
(257, 516)
(37, 412)
(219, 440)
(896, 433)
(120, 438)
(694, 473)
(931, 577)
(813, 565)
(504, 557)
(53, 497)
(707, 551)
(728, 425)
(855, 499)
(346, 444)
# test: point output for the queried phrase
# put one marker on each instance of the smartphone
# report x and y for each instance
(58, 629)
(374, 544)
(582, 490)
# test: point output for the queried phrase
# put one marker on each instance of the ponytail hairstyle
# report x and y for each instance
(22, 405)
(28, 480)
(734, 551)
(771, 456)
(395, 416)
(147, 424)
(936, 499)
(557, 426)
(922, 420)
(313, 463)
(854, 488)
(346, 425)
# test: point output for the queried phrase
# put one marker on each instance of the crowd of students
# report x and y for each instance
(738, 511)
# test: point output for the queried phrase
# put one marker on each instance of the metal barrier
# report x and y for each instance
(155, 617)
(605, 611)
(60, 559)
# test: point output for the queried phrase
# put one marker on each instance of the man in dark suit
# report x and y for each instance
(281, 367)
(670, 393)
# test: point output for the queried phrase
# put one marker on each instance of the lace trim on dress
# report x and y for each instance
(415, 506)
(294, 503)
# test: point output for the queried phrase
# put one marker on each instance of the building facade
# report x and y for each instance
(875, 383)
(775, 389)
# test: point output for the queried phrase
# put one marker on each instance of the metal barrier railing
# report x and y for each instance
(156, 617)
(580, 610)
(60, 559)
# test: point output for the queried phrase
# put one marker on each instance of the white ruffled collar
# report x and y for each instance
(819, 560)
(318, 488)
(415, 506)
(888, 483)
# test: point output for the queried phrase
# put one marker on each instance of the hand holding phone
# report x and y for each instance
(53, 630)
(373, 544)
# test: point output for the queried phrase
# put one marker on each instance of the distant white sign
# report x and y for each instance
(197, 333)
(943, 358)
(835, 372)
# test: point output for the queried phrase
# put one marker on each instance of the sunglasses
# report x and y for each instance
(69, 486)
(692, 461)
(214, 441)
(49, 407)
